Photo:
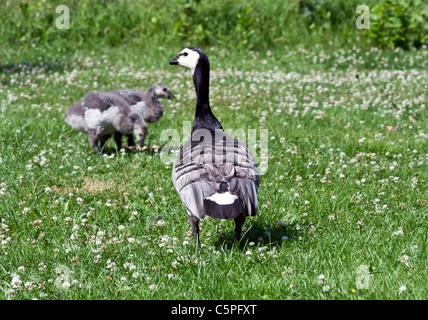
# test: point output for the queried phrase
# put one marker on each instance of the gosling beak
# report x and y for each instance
(141, 143)
(174, 61)
(170, 96)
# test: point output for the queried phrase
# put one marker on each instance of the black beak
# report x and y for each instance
(141, 143)
(170, 96)
(174, 61)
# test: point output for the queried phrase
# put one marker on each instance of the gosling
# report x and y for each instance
(119, 112)
(103, 114)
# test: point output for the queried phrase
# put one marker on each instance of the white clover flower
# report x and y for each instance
(111, 264)
(160, 223)
(28, 285)
(402, 289)
(16, 281)
(399, 232)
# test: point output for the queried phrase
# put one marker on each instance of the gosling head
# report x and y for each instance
(139, 127)
(159, 90)
(189, 58)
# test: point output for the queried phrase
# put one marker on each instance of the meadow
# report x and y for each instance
(342, 204)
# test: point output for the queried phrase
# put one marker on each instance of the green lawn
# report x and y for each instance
(342, 205)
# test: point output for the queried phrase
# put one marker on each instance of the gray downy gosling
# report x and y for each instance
(102, 114)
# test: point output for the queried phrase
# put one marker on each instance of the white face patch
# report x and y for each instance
(188, 58)
(159, 91)
(223, 198)
(140, 132)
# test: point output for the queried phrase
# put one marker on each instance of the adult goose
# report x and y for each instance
(214, 174)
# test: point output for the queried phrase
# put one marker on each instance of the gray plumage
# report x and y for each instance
(119, 112)
(214, 174)
(151, 108)
(103, 114)
(218, 165)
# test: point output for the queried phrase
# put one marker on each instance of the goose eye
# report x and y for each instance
(185, 54)
(164, 89)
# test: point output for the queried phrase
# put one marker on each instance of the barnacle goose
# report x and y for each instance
(214, 174)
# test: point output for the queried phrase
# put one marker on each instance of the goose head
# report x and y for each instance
(189, 58)
(159, 90)
(139, 127)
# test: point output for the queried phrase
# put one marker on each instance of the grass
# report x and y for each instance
(345, 185)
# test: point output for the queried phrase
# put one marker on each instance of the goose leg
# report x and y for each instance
(103, 141)
(239, 222)
(130, 140)
(194, 222)
(118, 139)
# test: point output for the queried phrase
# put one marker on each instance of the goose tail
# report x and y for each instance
(223, 204)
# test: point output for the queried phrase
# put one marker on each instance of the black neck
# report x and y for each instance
(204, 118)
